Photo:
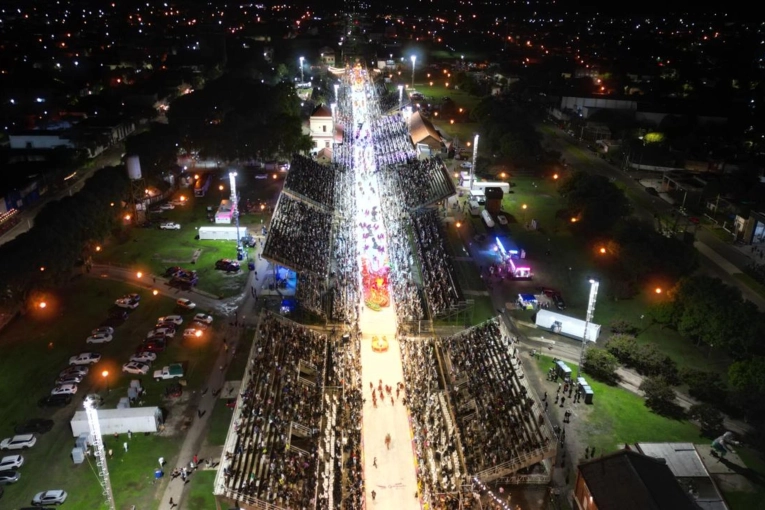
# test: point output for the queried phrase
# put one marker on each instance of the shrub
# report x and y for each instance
(659, 396)
(601, 364)
(705, 386)
(623, 347)
(708, 417)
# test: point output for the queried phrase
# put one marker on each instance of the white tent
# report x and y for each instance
(120, 421)
(567, 326)
(219, 232)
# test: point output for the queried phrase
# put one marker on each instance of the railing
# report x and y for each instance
(250, 501)
(514, 464)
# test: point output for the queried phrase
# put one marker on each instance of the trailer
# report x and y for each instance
(482, 185)
(120, 421)
(566, 326)
(221, 233)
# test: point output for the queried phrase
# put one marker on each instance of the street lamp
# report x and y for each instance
(475, 158)
(594, 284)
(301, 70)
(414, 60)
(400, 95)
(524, 207)
(105, 373)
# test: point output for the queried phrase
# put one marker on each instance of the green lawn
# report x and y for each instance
(749, 500)
(152, 250)
(618, 416)
(200, 493)
(36, 348)
(220, 420)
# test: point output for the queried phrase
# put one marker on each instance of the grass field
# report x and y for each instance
(36, 347)
(200, 494)
(152, 250)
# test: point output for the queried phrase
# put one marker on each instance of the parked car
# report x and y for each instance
(85, 358)
(99, 338)
(172, 371)
(70, 379)
(143, 357)
(203, 318)
(171, 271)
(186, 303)
(132, 297)
(126, 303)
(161, 332)
(8, 477)
(38, 425)
(192, 333)
(80, 370)
(466, 164)
(20, 442)
(52, 497)
(64, 389)
(104, 330)
(11, 462)
(54, 401)
(173, 319)
(134, 367)
(170, 226)
(166, 207)
(227, 265)
(154, 346)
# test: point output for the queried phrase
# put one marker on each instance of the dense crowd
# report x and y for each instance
(440, 282)
(497, 417)
(390, 138)
(439, 468)
(345, 269)
(272, 455)
(299, 236)
(420, 182)
(312, 180)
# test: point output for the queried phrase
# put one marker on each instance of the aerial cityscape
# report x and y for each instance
(467, 254)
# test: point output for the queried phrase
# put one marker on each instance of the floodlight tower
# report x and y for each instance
(400, 95)
(414, 60)
(301, 70)
(475, 158)
(98, 445)
(234, 205)
(594, 284)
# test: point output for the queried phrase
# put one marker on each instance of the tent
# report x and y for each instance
(567, 326)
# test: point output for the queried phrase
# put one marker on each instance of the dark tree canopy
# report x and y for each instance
(595, 201)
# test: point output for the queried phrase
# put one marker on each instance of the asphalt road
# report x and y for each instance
(647, 207)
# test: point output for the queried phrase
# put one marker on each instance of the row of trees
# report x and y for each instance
(44, 256)
(507, 129)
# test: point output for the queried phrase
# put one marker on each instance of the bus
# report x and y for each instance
(202, 184)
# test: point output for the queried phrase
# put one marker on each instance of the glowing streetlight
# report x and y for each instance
(220, 187)
(503, 175)
(42, 304)
(573, 220)
(301, 69)
(602, 250)
(555, 177)
(183, 198)
(98, 248)
(198, 333)
(155, 292)
(414, 60)
(139, 274)
(105, 373)
(127, 217)
(42, 269)
(458, 224)
(658, 290)
(524, 207)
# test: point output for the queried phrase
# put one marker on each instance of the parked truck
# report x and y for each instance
(171, 371)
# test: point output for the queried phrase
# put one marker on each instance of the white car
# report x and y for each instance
(104, 330)
(466, 164)
(134, 367)
(99, 338)
(186, 303)
(126, 303)
(85, 358)
(203, 318)
(54, 497)
(9, 477)
(169, 332)
(64, 389)
(144, 357)
(170, 226)
(11, 462)
(166, 206)
(193, 332)
(20, 442)
(174, 319)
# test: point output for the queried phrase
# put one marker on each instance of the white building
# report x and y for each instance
(40, 139)
(322, 128)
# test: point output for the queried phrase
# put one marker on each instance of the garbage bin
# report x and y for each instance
(251, 265)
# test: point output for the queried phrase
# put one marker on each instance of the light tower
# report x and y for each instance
(594, 284)
(98, 445)
(235, 205)
(301, 70)
(475, 158)
(400, 95)
(414, 60)
(337, 86)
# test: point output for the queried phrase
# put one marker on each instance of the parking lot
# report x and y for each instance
(36, 348)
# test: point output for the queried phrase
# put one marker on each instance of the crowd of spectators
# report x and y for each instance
(299, 236)
(497, 418)
(344, 278)
(437, 442)
(420, 182)
(390, 138)
(439, 279)
(280, 406)
(312, 180)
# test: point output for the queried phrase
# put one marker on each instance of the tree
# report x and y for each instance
(596, 201)
(705, 386)
(709, 418)
(659, 396)
(623, 347)
(602, 365)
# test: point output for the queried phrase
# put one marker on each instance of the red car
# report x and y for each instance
(154, 346)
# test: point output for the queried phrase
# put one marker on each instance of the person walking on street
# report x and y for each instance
(374, 495)
(374, 462)
(172, 503)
